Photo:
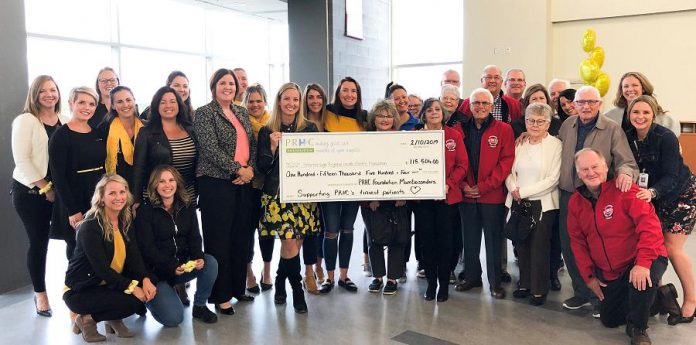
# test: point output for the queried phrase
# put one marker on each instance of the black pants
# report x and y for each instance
(624, 303)
(490, 219)
(309, 249)
(103, 303)
(395, 260)
(434, 224)
(35, 212)
(457, 242)
(533, 254)
(225, 215)
(555, 249)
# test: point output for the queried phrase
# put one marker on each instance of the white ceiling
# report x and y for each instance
(271, 9)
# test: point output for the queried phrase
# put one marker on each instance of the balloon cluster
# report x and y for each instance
(590, 67)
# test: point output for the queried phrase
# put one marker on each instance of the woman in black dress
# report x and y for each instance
(107, 79)
(76, 159)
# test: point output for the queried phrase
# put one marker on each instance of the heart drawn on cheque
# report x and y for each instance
(415, 189)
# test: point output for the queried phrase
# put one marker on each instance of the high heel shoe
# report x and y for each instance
(670, 304)
(264, 286)
(88, 328)
(46, 313)
(117, 326)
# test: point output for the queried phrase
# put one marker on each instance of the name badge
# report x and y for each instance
(643, 180)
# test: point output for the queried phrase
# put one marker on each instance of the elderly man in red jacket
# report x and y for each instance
(491, 150)
(618, 246)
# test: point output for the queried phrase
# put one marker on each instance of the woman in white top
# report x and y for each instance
(32, 193)
(533, 185)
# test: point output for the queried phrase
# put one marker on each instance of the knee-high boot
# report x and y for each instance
(281, 274)
(295, 277)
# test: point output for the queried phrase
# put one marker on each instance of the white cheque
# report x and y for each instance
(316, 167)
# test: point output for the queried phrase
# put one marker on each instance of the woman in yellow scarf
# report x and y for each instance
(120, 129)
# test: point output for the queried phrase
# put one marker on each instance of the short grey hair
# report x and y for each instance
(507, 74)
(588, 88)
(483, 72)
(542, 109)
(449, 88)
(483, 91)
(586, 150)
(553, 81)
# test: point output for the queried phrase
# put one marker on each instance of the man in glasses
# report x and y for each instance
(505, 108)
(589, 129)
(490, 144)
(515, 83)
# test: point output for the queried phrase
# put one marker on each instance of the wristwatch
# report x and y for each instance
(653, 192)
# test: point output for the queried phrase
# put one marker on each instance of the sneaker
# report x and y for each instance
(375, 286)
(204, 314)
(576, 302)
(367, 270)
(390, 288)
(421, 274)
(596, 310)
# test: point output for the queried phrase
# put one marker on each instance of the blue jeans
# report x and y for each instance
(166, 307)
(339, 218)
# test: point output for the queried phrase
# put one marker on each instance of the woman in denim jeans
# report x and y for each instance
(345, 114)
(168, 238)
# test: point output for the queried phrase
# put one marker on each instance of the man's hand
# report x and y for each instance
(624, 182)
(596, 286)
(640, 278)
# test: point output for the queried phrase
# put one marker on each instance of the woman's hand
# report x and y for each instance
(74, 219)
(139, 294)
(275, 139)
(179, 270)
(245, 175)
(520, 140)
(51, 195)
(374, 205)
(644, 194)
(516, 194)
(149, 289)
(199, 264)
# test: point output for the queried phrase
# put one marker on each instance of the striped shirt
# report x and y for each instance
(183, 160)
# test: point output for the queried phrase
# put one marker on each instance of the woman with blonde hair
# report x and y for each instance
(32, 190)
(291, 222)
(106, 279)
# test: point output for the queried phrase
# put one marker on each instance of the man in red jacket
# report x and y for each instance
(618, 246)
(491, 150)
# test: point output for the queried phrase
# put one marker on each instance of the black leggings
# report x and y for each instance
(434, 222)
(35, 212)
(266, 244)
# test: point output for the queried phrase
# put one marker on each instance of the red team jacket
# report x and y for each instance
(618, 231)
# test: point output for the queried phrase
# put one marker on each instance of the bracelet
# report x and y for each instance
(131, 287)
(46, 188)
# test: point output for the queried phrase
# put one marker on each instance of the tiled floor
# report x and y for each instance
(348, 318)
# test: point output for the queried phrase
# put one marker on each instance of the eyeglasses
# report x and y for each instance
(590, 102)
(478, 103)
(384, 117)
(492, 77)
(516, 80)
(108, 81)
(533, 122)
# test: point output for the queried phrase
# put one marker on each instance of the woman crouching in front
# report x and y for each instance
(171, 244)
(96, 285)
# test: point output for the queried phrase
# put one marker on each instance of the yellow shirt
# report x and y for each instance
(337, 123)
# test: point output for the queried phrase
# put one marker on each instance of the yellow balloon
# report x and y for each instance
(588, 40)
(602, 83)
(589, 69)
(597, 55)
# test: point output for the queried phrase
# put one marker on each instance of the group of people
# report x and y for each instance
(608, 196)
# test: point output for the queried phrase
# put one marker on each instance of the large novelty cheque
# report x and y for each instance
(316, 167)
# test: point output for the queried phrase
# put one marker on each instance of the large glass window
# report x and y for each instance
(145, 40)
(426, 41)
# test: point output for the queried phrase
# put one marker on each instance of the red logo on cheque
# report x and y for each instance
(492, 141)
(450, 144)
(608, 211)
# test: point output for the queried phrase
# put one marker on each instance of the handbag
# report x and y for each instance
(524, 216)
(388, 225)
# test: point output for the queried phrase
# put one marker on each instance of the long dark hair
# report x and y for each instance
(182, 117)
(170, 80)
(360, 115)
(567, 94)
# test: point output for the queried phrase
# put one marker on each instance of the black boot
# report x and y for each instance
(671, 305)
(295, 277)
(281, 274)
(432, 285)
(443, 292)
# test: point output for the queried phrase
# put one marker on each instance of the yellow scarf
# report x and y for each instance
(256, 124)
(118, 135)
(119, 252)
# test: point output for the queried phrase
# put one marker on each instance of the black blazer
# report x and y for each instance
(267, 162)
(152, 148)
(167, 240)
(91, 262)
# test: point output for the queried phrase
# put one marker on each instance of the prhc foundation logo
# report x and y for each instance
(298, 145)
(608, 212)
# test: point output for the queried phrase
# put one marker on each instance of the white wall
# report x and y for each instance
(655, 38)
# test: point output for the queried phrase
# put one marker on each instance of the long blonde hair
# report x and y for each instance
(98, 212)
(274, 123)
